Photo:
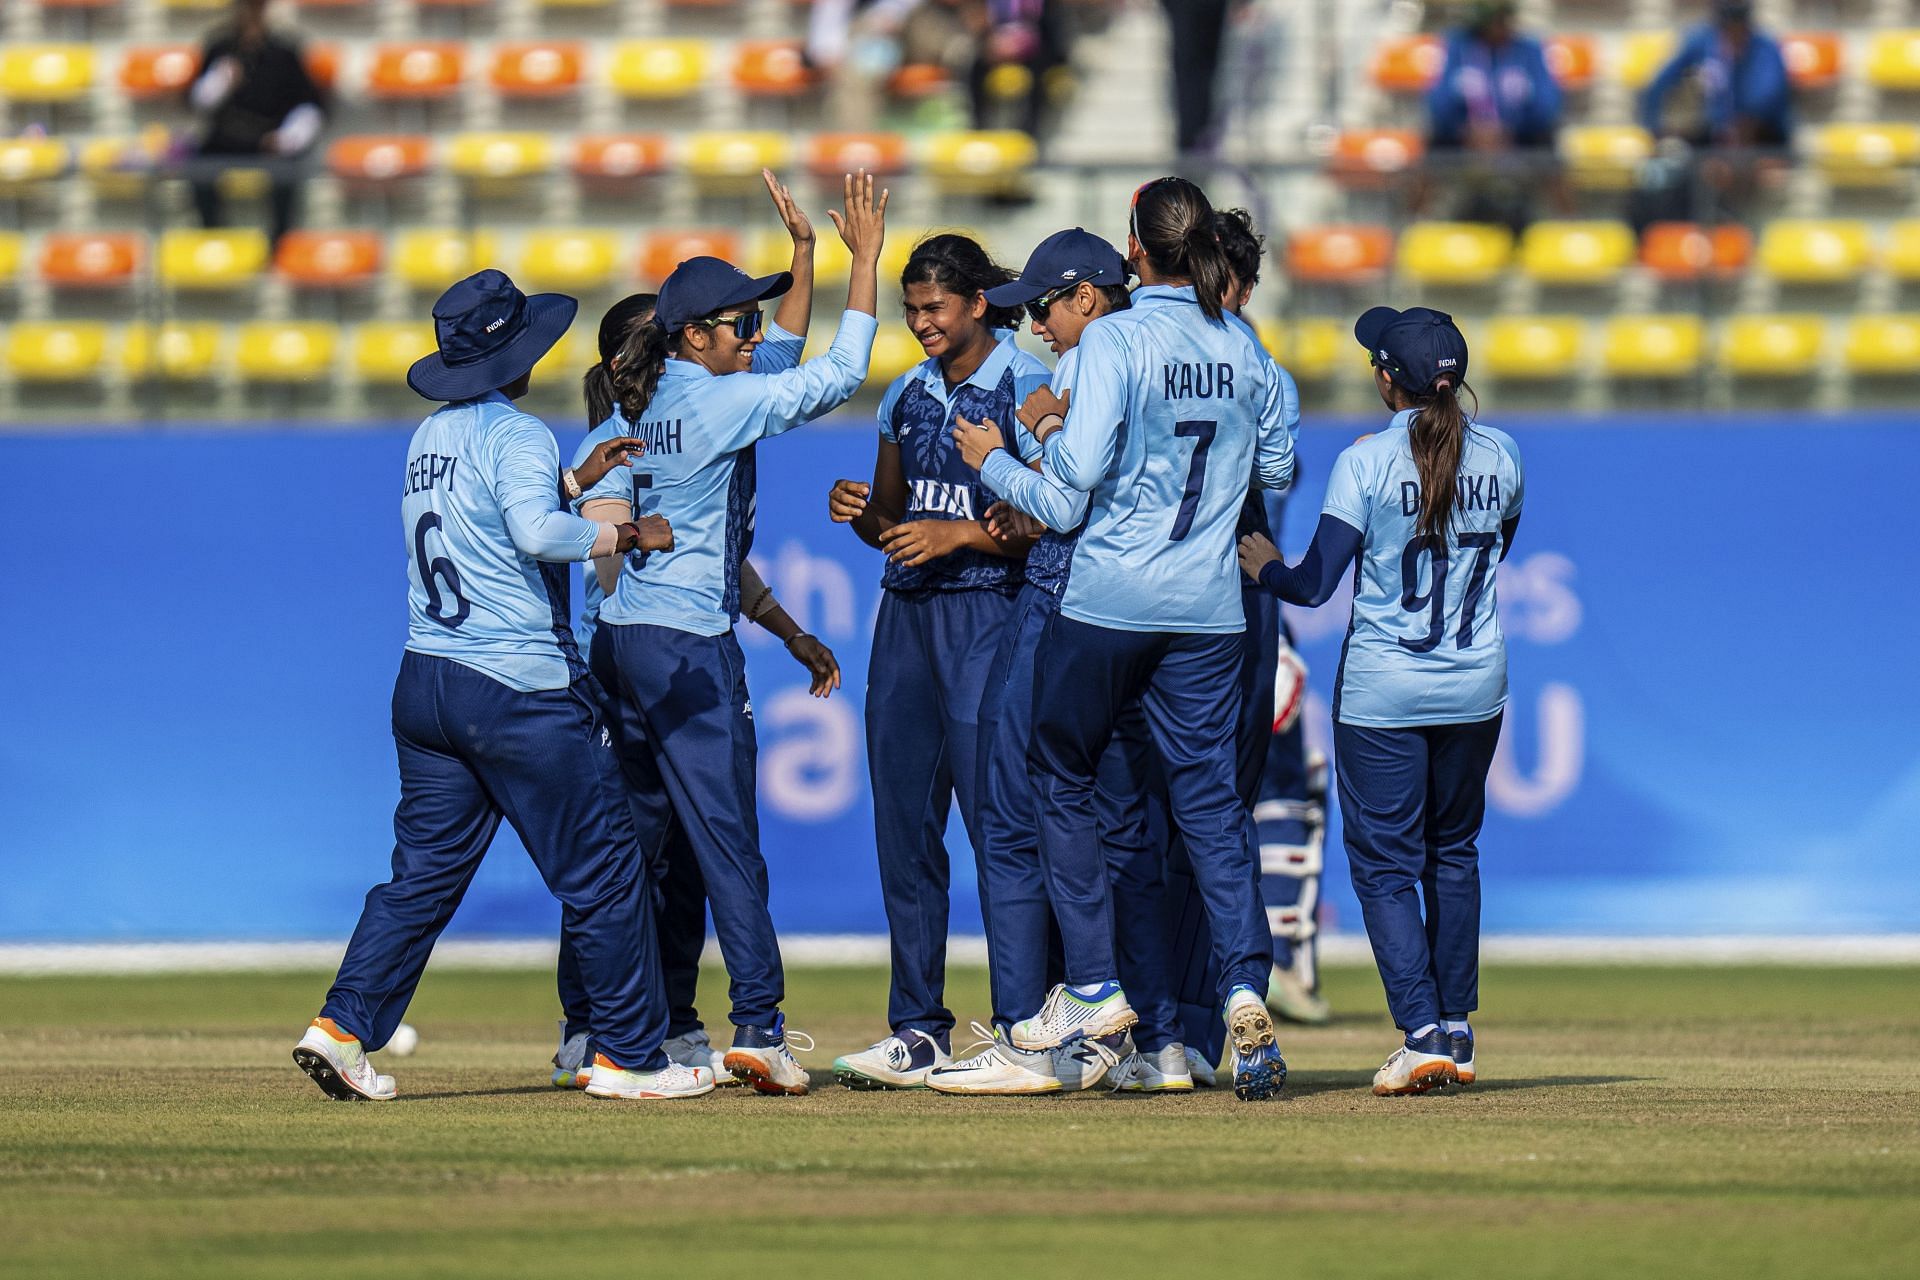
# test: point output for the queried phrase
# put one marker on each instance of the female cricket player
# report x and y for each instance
(493, 713)
(947, 600)
(1173, 408)
(684, 384)
(1429, 506)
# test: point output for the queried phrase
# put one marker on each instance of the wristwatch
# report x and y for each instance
(571, 483)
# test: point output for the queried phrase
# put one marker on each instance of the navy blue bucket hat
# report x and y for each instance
(489, 333)
(1417, 347)
(701, 286)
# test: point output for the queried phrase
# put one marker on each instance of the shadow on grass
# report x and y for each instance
(505, 1092)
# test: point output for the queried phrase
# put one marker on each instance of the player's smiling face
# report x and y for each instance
(943, 322)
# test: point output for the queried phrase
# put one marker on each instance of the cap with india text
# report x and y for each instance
(1417, 347)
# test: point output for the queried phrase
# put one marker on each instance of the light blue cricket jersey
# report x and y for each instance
(1415, 655)
(1041, 496)
(487, 544)
(778, 351)
(1171, 414)
(697, 472)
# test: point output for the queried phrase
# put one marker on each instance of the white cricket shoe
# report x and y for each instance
(761, 1058)
(1200, 1069)
(1067, 1016)
(1462, 1044)
(694, 1050)
(1290, 999)
(998, 1069)
(1417, 1066)
(1086, 1062)
(1162, 1072)
(571, 1070)
(670, 1081)
(1258, 1070)
(900, 1061)
(338, 1064)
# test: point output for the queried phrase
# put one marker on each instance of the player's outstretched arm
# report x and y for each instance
(863, 226)
(796, 307)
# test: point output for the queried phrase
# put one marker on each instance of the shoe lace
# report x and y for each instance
(791, 1038)
(981, 1052)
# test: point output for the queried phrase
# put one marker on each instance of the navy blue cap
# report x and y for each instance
(701, 286)
(1062, 259)
(1417, 346)
(488, 334)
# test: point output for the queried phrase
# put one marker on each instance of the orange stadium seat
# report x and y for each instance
(323, 64)
(1408, 64)
(1893, 60)
(772, 69)
(173, 352)
(659, 68)
(1775, 346)
(619, 155)
(662, 251)
(1571, 60)
(1576, 252)
(426, 69)
(1340, 255)
(90, 259)
(1363, 155)
(45, 72)
(56, 351)
(1688, 251)
(830, 155)
(380, 157)
(328, 259)
(158, 71)
(1813, 58)
(542, 69)
(1881, 345)
(1814, 250)
(918, 80)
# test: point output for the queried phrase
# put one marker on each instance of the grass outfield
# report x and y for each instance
(1737, 1122)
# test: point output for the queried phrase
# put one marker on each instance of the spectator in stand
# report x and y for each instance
(1740, 77)
(254, 97)
(1198, 28)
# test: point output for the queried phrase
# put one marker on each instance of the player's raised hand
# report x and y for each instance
(1256, 553)
(864, 223)
(820, 663)
(1008, 523)
(1039, 409)
(648, 533)
(977, 440)
(847, 500)
(798, 225)
(605, 456)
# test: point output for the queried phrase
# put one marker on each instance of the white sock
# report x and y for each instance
(1455, 1026)
(1427, 1030)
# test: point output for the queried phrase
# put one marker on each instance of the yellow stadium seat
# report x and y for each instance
(56, 351)
(1814, 250)
(285, 351)
(45, 72)
(769, 251)
(1454, 252)
(10, 254)
(659, 68)
(895, 350)
(1604, 156)
(1893, 59)
(1520, 348)
(1651, 346)
(1773, 346)
(175, 352)
(31, 159)
(561, 361)
(568, 259)
(1865, 155)
(1884, 344)
(499, 155)
(1576, 252)
(434, 259)
(193, 259)
(735, 155)
(1311, 349)
(980, 160)
(1642, 54)
(384, 351)
(1903, 250)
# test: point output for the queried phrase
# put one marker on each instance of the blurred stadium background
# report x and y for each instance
(1711, 358)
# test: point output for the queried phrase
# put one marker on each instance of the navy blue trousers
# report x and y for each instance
(1411, 804)
(684, 728)
(1023, 945)
(472, 751)
(1187, 688)
(925, 682)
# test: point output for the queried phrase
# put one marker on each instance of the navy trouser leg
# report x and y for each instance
(687, 696)
(1136, 867)
(1458, 758)
(1383, 802)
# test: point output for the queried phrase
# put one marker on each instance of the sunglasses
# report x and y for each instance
(1043, 304)
(746, 325)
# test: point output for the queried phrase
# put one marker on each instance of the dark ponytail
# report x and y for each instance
(1437, 435)
(1174, 224)
(958, 265)
(636, 368)
(622, 318)
(598, 386)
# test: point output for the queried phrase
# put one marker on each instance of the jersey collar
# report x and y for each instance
(986, 377)
(678, 368)
(1164, 293)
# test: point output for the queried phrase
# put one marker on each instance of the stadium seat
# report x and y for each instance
(1642, 54)
(829, 155)
(328, 259)
(1361, 154)
(1339, 255)
(195, 259)
(1884, 344)
(1571, 60)
(323, 64)
(1902, 257)
(31, 159)
(174, 352)
(1576, 252)
(1604, 156)
(45, 72)
(380, 157)
(570, 260)
(1651, 346)
(1688, 251)
(117, 168)
(432, 259)
(662, 251)
(1774, 346)
(499, 155)
(979, 160)
(10, 247)
(771, 250)
(1454, 252)
(771, 69)
(421, 70)
(659, 68)
(566, 360)
(1311, 350)
(619, 155)
(1813, 251)
(724, 155)
(1526, 348)
(541, 69)
(1893, 59)
(90, 259)
(284, 350)
(918, 80)
(384, 351)
(895, 350)
(1813, 58)
(158, 71)
(1865, 155)
(1408, 64)
(56, 351)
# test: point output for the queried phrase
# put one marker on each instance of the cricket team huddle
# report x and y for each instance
(1079, 640)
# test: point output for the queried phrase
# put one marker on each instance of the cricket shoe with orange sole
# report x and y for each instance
(337, 1062)
(610, 1080)
(760, 1056)
(1419, 1065)
(1462, 1042)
